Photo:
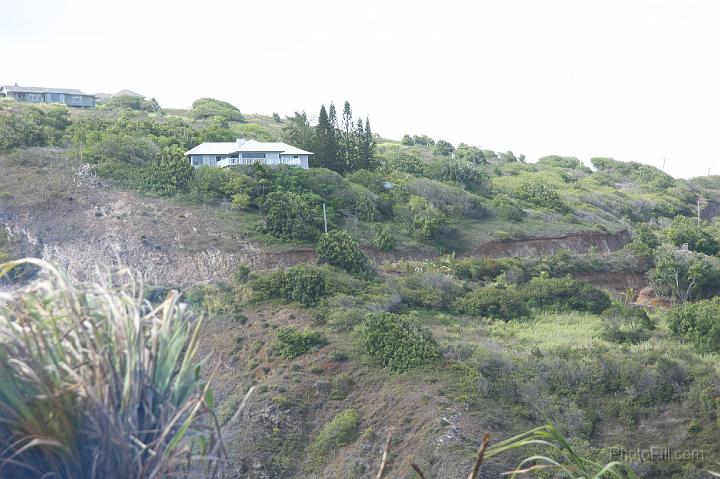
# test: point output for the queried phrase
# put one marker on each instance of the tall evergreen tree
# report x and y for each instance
(325, 140)
(347, 135)
(358, 157)
(368, 143)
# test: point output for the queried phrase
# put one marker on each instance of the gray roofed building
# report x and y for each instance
(247, 152)
(32, 94)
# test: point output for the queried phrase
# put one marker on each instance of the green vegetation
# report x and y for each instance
(698, 323)
(341, 431)
(303, 283)
(339, 249)
(565, 294)
(398, 342)
(492, 302)
(292, 343)
(210, 107)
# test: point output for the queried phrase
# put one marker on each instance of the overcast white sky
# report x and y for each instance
(631, 79)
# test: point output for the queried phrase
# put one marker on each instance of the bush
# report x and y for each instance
(449, 199)
(94, 370)
(443, 148)
(431, 290)
(401, 159)
(33, 126)
(170, 174)
(340, 249)
(303, 283)
(626, 324)
(483, 269)
(383, 239)
(210, 107)
(537, 195)
(697, 323)
(492, 302)
(420, 217)
(291, 215)
(407, 140)
(339, 432)
(292, 343)
(397, 342)
(565, 294)
(461, 172)
(506, 209)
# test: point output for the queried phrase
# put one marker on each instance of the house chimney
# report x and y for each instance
(240, 141)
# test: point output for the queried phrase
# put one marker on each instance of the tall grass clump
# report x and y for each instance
(96, 382)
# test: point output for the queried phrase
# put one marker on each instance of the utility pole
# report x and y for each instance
(664, 160)
(325, 216)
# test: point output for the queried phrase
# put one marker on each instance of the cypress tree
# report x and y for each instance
(325, 142)
(347, 136)
(369, 145)
(360, 159)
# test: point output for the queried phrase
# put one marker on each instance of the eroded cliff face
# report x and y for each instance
(578, 242)
(84, 224)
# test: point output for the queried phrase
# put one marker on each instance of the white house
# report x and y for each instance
(242, 152)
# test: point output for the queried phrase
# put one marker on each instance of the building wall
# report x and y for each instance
(84, 101)
(271, 158)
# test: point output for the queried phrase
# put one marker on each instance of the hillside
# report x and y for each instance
(461, 290)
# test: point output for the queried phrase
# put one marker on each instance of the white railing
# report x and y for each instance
(249, 161)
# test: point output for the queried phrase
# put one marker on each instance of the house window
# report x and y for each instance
(296, 157)
(197, 160)
(77, 99)
(218, 158)
(253, 156)
(34, 97)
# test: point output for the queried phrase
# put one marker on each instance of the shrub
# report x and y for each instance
(291, 215)
(492, 302)
(697, 323)
(210, 107)
(407, 140)
(397, 342)
(686, 230)
(303, 283)
(292, 343)
(33, 126)
(537, 195)
(461, 172)
(443, 148)
(449, 199)
(429, 290)
(402, 159)
(506, 209)
(94, 377)
(565, 294)
(339, 432)
(125, 148)
(420, 217)
(483, 269)
(170, 174)
(626, 324)
(340, 249)
(383, 239)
